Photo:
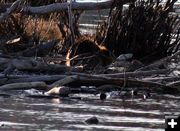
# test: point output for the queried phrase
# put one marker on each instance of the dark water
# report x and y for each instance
(19, 113)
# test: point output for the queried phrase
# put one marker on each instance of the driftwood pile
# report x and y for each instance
(146, 29)
(48, 53)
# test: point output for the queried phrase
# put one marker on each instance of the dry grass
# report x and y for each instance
(35, 29)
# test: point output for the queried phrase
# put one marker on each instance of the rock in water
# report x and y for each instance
(92, 120)
(124, 57)
(103, 96)
(146, 95)
(134, 92)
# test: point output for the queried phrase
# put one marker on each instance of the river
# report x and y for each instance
(19, 113)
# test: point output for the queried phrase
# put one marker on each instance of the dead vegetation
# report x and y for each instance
(145, 29)
(134, 48)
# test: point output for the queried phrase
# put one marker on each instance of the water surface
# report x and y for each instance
(19, 113)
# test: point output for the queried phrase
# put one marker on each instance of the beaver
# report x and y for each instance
(88, 53)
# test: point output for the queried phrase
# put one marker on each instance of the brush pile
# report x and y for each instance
(137, 48)
(146, 29)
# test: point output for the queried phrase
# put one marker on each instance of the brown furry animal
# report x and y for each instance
(87, 53)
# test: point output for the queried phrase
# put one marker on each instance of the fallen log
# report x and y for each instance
(125, 74)
(115, 81)
(51, 68)
(29, 78)
(64, 81)
(58, 7)
(164, 79)
(38, 84)
(24, 86)
(132, 83)
(77, 81)
(52, 78)
(36, 66)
